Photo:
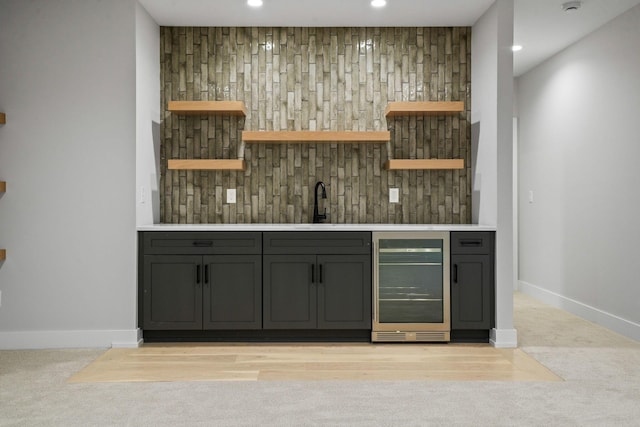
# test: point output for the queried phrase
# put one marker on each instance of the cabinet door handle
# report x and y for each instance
(471, 242)
(206, 274)
(320, 272)
(198, 274)
(455, 273)
(203, 243)
(313, 273)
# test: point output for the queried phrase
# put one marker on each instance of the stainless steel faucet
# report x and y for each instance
(317, 217)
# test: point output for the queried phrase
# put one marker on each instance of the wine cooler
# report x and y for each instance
(411, 286)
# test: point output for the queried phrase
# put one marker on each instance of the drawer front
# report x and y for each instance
(202, 242)
(472, 242)
(317, 242)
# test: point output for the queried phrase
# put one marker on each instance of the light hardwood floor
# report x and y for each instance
(255, 362)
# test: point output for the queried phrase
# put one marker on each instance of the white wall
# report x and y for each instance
(491, 121)
(67, 84)
(579, 152)
(70, 78)
(484, 90)
(147, 118)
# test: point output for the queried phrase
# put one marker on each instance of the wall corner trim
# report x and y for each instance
(504, 338)
(130, 343)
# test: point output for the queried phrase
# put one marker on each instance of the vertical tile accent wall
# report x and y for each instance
(316, 79)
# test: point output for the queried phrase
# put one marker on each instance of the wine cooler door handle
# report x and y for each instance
(374, 300)
(455, 273)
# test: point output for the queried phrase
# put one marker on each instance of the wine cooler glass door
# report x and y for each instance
(412, 282)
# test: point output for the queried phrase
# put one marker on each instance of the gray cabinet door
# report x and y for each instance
(471, 291)
(344, 291)
(172, 292)
(232, 290)
(289, 293)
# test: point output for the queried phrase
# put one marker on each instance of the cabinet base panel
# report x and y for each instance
(470, 335)
(325, 335)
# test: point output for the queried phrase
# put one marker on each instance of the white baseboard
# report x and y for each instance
(610, 321)
(503, 338)
(26, 340)
(130, 344)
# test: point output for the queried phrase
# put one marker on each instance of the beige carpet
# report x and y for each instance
(600, 370)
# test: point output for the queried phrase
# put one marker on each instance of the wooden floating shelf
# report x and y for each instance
(3, 187)
(3, 118)
(307, 136)
(233, 108)
(207, 164)
(3, 254)
(404, 164)
(423, 108)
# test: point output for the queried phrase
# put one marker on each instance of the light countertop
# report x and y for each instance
(316, 227)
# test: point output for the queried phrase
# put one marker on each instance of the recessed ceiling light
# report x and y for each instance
(516, 47)
(254, 3)
(378, 3)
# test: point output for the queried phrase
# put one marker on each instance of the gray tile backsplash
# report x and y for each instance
(316, 79)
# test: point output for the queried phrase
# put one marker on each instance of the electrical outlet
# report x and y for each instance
(530, 196)
(394, 195)
(231, 195)
(143, 195)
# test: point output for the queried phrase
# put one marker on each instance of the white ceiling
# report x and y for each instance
(539, 25)
(544, 29)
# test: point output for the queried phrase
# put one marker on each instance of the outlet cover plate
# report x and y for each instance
(231, 195)
(394, 195)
